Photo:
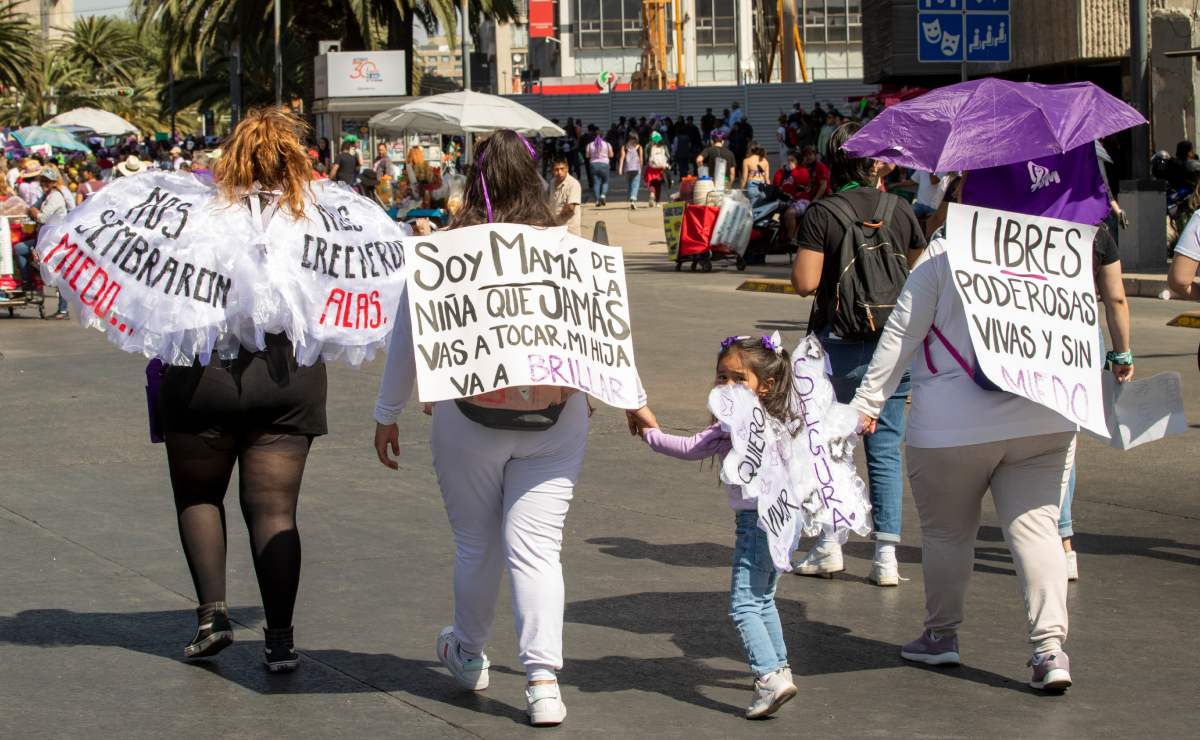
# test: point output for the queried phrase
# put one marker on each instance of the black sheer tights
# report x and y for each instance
(270, 467)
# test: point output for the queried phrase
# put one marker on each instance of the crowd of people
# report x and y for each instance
(507, 463)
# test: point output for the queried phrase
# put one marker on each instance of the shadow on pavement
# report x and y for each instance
(1112, 544)
(711, 555)
(163, 634)
(698, 626)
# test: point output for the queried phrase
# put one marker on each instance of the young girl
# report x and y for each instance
(765, 369)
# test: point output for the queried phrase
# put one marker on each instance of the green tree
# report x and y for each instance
(16, 44)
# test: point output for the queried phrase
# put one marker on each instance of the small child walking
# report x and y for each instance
(764, 368)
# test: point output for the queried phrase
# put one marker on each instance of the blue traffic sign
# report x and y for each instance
(939, 36)
(987, 38)
(964, 31)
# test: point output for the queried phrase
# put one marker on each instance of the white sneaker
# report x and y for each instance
(770, 693)
(823, 560)
(885, 572)
(1072, 566)
(545, 706)
(470, 673)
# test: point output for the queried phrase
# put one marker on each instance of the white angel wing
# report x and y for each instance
(338, 276)
(153, 262)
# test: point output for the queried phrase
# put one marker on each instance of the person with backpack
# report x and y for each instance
(658, 165)
(855, 248)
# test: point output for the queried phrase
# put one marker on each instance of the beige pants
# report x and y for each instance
(1026, 476)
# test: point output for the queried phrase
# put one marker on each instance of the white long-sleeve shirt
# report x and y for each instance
(948, 408)
(400, 372)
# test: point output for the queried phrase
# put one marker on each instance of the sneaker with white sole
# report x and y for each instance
(470, 673)
(885, 572)
(544, 705)
(1051, 671)
(823, 560)
(932, 650)
(771, 692)
(1072, 566)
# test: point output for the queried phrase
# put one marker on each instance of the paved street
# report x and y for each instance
(96, 602)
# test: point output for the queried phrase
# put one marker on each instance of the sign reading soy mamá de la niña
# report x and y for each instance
(500, 305)
(1027, 287)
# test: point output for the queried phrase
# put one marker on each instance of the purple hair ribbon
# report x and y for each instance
(487, 200)
(528, 146)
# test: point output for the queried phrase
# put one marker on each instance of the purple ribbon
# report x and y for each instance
(487, 200)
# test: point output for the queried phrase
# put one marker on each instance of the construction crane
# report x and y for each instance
(652, 72)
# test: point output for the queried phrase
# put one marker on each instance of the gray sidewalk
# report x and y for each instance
(96, 602)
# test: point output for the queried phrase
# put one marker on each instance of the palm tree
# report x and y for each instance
(107, 48)
(16, 44)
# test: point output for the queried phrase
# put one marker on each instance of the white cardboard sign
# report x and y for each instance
(1142, 411)
(1027, 287)
(501, 305)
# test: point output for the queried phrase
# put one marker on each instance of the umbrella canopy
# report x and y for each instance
(990, 122)
(464, 112)
(100, 122)
(55, 138)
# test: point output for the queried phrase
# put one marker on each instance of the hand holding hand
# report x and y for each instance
(387, 437)
(641, 420)
(866, 425)
(422, 227)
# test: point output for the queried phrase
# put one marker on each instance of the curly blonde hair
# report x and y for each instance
(265, 148)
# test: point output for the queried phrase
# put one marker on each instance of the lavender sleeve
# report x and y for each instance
(710, 442)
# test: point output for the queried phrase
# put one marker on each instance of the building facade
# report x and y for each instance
(1057, 41)
(717, 40)
(49, 17)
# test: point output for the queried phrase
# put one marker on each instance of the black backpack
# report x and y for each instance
(871, 274)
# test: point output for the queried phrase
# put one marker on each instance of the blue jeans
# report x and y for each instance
(921, 210)
(632, 180)
(752, 597)
(599, 180)
(22, 251)
(1066, 528)
(849, 361)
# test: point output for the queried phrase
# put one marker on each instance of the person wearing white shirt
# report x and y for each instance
(930, 191)
(963, 440)
(1186, 262)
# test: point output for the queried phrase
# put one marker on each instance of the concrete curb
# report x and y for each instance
(1136, 285)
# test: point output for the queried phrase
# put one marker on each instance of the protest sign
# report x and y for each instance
(828, 484)
(672, 226)
(803, 475)
(500, 305)
(1142, 411)
(1029, 294)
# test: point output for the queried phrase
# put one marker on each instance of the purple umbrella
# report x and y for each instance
(990, 122)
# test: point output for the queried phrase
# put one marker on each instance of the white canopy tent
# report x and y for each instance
(99, 122)
(464, 112)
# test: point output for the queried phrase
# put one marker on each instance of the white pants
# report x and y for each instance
(506, 495)
(1026, 477)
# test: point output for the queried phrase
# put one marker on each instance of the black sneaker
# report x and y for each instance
(279, 654)
(214, 632)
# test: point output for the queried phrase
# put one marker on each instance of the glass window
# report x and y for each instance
(814, 21)
(835, 20)
(715, 23)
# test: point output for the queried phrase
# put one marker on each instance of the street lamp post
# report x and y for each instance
(278, 58)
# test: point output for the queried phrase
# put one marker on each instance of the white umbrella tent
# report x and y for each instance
(99, 122)
(464, 112)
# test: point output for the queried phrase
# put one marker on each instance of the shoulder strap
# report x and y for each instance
(949, 347)
(841, 212)
(884, 209)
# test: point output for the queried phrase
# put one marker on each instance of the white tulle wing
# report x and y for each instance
(338, 275)
(154, 263)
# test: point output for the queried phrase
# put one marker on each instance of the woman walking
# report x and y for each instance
(506, 464)
(259, 411)
(963, 440)
(658, 166)
(631, 166)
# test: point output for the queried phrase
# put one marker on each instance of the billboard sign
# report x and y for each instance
(964, 31)
(360, 74)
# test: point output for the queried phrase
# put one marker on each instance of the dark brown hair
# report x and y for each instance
(505, 174)
(265, 149)
(767, 364)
